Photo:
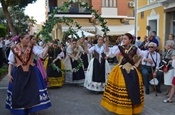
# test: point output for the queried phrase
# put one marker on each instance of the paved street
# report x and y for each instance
(76, 100)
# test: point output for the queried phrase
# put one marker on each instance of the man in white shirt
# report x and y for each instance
(150, 65)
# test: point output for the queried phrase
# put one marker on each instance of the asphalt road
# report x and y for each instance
(76, 100)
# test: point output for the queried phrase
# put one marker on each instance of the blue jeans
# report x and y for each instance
(146, 71)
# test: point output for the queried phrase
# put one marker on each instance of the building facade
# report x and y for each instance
(159, 15)
(119, 15)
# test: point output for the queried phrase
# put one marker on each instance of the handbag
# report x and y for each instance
(165, 68)
(154, 81)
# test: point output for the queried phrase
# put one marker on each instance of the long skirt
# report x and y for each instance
(95, 80)
(55, 77)
(73, 77)
(168, 77)
(116, 98)
(84, 57)
(27, 93)
(40, 66)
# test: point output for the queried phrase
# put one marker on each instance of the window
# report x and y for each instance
(173, 22)
(109, 3)
(142, 15)
(151, 1)
(174, 16)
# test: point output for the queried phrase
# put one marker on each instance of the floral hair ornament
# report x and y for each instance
(15, 38)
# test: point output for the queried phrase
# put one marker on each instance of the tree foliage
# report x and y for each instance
(20, 3)
(12, 3)
(2, 31)
(19, 19)
(2, 17)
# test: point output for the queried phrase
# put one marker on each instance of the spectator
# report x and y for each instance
(150, 63)
(144, 44)
(172, 91)
(155, 35)
(171, 37)
(167, 57)
(138, 42)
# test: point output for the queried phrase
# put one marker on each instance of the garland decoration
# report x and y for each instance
(97, 16)
(80, 64)
(52, 21)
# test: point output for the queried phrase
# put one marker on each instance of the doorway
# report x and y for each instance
(153, 25)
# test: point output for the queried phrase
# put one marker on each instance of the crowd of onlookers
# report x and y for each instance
(5, 45)
(158, 64)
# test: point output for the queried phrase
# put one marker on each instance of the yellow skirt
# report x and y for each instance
(55, 81)
(115, 97)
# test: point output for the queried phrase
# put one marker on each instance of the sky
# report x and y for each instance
(37, 10)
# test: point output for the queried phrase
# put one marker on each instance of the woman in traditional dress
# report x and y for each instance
(37, 60)
(55, 55)
(26, 91)
(84, 55)
(124, 89)
(98, 69)
(73, 62)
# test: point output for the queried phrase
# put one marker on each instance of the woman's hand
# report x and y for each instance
(10, 77)
(154, 74)
(170, 62)
(54, 60)
(106, 57)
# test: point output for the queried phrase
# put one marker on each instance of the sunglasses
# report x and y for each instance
(150, 47)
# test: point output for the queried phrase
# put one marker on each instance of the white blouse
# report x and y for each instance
(113, 51)
(70, 49)
(60, 55)
(98, 49)
(37, 51)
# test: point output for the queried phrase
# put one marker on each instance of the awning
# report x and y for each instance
(115, 30)
(84, 28)
(82, 33)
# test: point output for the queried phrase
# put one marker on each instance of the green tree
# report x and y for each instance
(20, 20)
(6, 4)
(2, 30)
(2, 17)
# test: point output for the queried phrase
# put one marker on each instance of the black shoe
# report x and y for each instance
(147, 92)
(158, 91)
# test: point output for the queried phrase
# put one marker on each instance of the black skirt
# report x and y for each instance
(80, 73)
(84, 57)
(98, 71)
(51, 72)
(25, 88)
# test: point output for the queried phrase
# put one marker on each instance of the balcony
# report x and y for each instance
(71, 11)
(165, 3)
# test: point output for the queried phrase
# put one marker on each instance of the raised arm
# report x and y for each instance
(40, 52)
(112, 51)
